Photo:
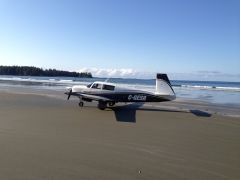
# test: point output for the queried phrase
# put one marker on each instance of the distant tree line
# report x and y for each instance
(35, 71)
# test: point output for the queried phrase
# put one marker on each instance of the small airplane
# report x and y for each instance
(108, 94)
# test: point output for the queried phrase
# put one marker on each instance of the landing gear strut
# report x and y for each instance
(80, 102)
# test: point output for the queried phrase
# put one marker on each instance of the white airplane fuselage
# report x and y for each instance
(109, 93)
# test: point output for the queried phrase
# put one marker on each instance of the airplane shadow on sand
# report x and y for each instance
(127, 113)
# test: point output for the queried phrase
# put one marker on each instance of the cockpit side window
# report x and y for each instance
(108, 87)
(97, 86)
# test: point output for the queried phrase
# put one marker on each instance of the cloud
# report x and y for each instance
(209, 72)
(205, 76)
(131, 73)
(114, 72)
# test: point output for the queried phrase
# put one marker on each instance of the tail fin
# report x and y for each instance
(163, 85)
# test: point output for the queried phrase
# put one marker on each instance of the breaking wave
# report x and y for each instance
(210, 87)
(148, 85)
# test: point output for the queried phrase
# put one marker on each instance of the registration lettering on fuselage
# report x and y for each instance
(137, 97)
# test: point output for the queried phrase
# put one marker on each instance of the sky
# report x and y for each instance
(187, 39)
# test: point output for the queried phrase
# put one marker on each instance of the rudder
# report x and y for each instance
(163, 85)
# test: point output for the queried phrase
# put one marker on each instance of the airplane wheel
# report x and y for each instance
(102, 105)
(111, 103)
(80, 104)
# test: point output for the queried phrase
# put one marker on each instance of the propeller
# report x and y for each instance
(69, 94)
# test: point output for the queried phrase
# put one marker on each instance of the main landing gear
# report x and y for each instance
(102, 105)
(111, 103)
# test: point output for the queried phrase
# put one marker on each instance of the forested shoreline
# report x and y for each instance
(35, 71)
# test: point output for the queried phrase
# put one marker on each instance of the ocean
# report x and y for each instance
(208, 91)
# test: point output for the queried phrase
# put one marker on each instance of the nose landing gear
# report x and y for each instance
(81, 104)
(111, 103)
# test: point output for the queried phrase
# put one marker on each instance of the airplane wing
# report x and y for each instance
(88, 96)
(92, 97)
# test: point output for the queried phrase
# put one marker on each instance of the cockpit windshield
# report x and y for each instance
(89, 85)
(97, 86)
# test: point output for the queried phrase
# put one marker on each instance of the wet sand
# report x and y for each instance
(43, 137)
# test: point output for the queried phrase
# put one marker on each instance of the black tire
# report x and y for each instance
(80, 104)
(102, 105)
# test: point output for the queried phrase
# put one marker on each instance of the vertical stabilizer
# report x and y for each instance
(163, 85)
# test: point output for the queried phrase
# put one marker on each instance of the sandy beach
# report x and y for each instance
(44, 137)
